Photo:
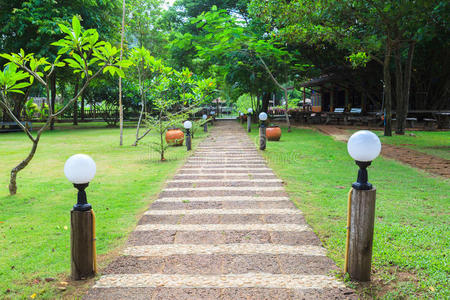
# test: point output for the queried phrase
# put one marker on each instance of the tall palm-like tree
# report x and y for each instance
(120, 79)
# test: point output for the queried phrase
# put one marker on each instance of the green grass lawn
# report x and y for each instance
(35, 224)
(435, 143)
(411, 242)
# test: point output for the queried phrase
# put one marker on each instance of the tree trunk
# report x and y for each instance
(75, 105)
(387, 89)
(120, 78)
(407, 78)
(21, 166)
(265, 102)
(400, 113)
(82, 107)
(53, 98)
(287, 108)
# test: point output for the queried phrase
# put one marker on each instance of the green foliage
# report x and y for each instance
(174, 95)
(85, 52)
(243, 103)
(31, 109)
(11, 80)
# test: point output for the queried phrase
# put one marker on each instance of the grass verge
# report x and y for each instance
(435, 143)
(411, 239)
(35, 224)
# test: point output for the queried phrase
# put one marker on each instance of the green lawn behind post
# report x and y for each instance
(35, 224)
(435, 143)
(411, 240)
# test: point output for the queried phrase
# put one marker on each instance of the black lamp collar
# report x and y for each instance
(82, 204)
(362, 181)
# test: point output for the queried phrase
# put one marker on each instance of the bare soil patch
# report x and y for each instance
(429, 163)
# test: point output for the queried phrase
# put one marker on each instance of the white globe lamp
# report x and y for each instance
(80, 170)
(187, 124)
(363, 146)
(263, 116)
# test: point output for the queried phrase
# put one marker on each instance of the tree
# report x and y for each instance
(226, 38)
(145, 26)
(32, 25)
(385, 31)
(175, 96)
(85, 53)
(120, 78)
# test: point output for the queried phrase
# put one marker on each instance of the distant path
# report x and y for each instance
(223, 228)
(429, 163)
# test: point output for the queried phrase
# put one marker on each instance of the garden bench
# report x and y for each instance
(27, 124)
(429, 124)
(442, 119)
(337, 115)
(355, 116)
(410, 122)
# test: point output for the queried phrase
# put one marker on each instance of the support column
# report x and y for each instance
(82, 244)
(362, 216)
(262, 136)
(331, 99)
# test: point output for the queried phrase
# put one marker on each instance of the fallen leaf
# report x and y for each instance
(65, 227)
(49, 279)
(431, 288)
(63, 283)
(2, 222)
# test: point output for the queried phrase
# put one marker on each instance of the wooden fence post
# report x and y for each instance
(82, 244)
(361, 234)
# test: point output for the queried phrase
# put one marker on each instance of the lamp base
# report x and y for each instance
(362, 186)
(82, 204)
(362, 181)
(82, 207)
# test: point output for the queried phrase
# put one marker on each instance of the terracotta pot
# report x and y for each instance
(175, 137)
(273, 133)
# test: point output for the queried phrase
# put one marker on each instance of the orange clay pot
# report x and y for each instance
(174, 137)
(273, 133)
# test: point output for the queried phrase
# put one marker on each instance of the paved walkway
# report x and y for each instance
(223, 228)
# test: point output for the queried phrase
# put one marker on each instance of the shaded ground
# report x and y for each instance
(429, 163)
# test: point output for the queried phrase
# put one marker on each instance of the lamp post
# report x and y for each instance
(363, 146)
(80, 170)
(205, 125)
(262, 131)
(213, 117)
(241, 117)
(249, 119)
(188, 125)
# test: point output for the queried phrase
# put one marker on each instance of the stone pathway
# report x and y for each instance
(223, 228)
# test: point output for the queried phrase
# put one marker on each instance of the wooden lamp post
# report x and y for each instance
(188, 125)
(80, 170)
(262, 131)
(363, 146)
(249, 119)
